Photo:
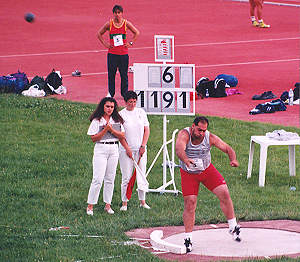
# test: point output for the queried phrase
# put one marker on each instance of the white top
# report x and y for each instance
(134, 123)
(199, 153)
(96, 126)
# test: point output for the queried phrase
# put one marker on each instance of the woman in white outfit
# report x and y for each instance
(106, 129)
(133, 146)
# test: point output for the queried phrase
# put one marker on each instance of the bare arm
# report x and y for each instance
(100, 34)
(127, 148)
(134, 31)
(220, 144)
(145, 139)
(181, 142)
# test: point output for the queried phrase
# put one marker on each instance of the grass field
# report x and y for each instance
(46, 170)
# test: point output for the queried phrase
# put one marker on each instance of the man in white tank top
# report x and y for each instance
(193, 146)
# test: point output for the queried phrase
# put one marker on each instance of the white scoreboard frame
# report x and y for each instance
(170, 85)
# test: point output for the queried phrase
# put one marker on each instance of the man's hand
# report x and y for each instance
(190, 163)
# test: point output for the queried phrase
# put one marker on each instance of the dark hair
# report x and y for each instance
(99, 111)
(130, 95)
(117, 7)
(201, 119)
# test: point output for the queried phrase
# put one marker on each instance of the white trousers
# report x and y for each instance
(105, 161)
(127, 167)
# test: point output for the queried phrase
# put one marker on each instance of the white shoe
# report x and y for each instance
(109, 211)
(130, 69)
(123, 208)
(145, 206)
(89, 212)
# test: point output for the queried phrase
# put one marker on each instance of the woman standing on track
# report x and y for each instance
(106, 129)
(134, 146)
(258, 5)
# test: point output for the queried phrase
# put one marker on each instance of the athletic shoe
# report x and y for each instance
(76, 73)
(188, 245)
(109, 211)
(123, 208)
(264, 96)
(255, 23)
(236, 233)
(145, 206)
(263, 25)
(89, 212)
(130, 69)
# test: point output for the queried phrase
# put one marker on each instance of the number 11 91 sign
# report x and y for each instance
(166, 89)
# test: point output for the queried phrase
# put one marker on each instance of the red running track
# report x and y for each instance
(214, 35)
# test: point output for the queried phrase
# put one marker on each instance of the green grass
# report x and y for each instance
(46, 170)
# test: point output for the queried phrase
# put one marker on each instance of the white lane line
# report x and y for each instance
(250, 63)
(214, 65)
(147, 47)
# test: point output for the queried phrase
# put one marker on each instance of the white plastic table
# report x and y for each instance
(264, 142)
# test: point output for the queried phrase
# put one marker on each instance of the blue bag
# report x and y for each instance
(230, 80)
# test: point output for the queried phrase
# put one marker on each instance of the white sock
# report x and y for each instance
(188, 235)
(260, 21)
(232, 223)
(253, 18)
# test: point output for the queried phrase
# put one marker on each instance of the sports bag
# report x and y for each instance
(53, 82)
(211, 88)
(39, 82)
(21, 82)
(230, 80)
(13, 83)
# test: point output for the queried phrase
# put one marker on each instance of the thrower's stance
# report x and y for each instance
(193, 149)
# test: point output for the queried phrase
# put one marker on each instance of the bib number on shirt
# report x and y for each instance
(118, 40)
(197, 166)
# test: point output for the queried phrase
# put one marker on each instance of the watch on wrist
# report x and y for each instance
(131, 43)
(142, 146)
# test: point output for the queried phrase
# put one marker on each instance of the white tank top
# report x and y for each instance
(200, 153)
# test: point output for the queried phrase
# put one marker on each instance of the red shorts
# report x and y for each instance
(210, 178)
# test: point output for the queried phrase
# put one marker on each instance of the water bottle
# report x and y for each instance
(206, 93)
(291, 97)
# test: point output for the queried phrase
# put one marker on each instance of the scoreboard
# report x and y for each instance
(166, 89)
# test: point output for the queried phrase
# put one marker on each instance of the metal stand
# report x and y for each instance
(166, 162)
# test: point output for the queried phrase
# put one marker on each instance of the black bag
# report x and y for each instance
(296, 91)
(210, 88)
(53, 81)
(39, 81)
